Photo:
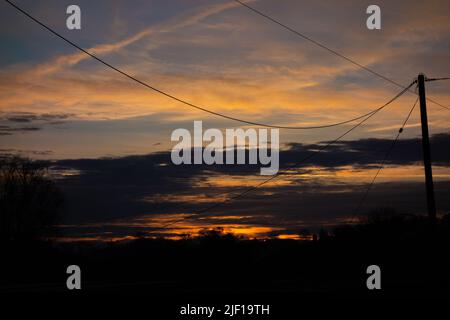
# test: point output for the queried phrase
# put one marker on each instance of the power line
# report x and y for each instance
(145, 84)
(437, 79)
(437, 103)
(381, 166)
(321, 45)
(312, 154)
(302, 35)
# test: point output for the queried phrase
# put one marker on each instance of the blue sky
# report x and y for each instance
(220, 56)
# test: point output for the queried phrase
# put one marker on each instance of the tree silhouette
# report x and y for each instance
(29, 199)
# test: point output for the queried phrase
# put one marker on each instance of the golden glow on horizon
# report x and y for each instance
(294, 237)
(182, 228)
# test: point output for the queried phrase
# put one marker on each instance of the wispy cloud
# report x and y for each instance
(172, 24)
(229, 60)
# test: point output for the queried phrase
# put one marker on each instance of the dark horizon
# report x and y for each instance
(96, 209)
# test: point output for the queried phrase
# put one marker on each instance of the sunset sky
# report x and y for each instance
(56, 103)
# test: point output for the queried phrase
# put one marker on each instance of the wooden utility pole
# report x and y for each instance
(426, 149)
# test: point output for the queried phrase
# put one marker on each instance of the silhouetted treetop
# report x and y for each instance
(29, 199)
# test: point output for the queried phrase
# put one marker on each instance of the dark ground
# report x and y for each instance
(155, 278)
(412, 255)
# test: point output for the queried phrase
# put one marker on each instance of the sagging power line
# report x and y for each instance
(325, 47)
(285, 172)
(171, 96)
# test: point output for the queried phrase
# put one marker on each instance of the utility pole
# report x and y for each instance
(426, 150)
